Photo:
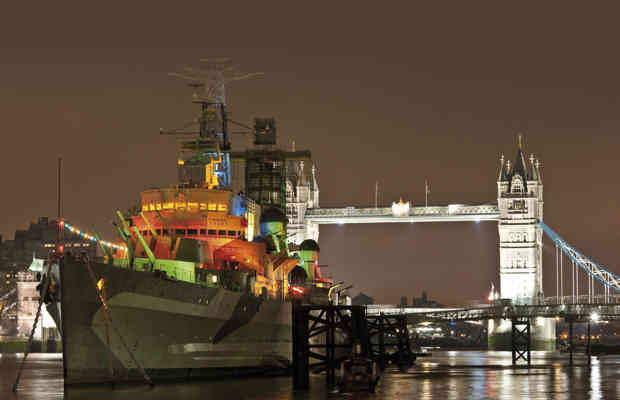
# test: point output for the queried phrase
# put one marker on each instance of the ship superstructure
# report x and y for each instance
(200, 229)
(202, 284)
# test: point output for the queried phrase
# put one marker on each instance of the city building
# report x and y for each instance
(38, 241)
(20, 260)
(27, 306)
(424, 301)
(362, 299)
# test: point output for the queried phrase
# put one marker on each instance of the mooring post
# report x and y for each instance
(513, 342)
(404, 348)
(588, 349)
(330, 350)
(301, 371)
(360, 328)
(529, 342)
(570, 340)
(382, 360)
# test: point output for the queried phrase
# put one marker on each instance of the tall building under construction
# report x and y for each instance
(277, 178)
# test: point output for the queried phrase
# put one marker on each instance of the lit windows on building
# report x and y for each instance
(517, 184)
(517, 205)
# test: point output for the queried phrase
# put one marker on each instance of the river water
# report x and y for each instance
(445, 375)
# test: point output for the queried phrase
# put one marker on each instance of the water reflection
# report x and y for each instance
(447, 375)
(595, 380)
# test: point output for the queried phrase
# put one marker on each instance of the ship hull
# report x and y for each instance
(170, 329)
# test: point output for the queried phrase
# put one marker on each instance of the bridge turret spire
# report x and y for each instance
(520, 166)
(502, 170)
(315, 185)
(534, 173)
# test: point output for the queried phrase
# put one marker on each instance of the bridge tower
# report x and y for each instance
(302, 193)
(520, 204)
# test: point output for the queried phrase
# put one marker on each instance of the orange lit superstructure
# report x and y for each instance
(212, 228)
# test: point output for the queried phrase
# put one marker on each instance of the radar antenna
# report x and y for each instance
(213, 74)
(208, 82)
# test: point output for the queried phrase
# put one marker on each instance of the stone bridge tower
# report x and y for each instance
(520, 203)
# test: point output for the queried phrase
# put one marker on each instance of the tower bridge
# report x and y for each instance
(369, 215)
(518, 211)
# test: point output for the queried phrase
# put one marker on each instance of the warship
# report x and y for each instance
(201, 282)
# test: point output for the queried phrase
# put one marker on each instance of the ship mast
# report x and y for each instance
(207, 149)
(209, 82)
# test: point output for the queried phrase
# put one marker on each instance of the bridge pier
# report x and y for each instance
(521, 340)
(589, 346)
(542, 334)
(570, 340)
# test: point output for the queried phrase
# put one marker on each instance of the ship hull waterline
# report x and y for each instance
(174, 330)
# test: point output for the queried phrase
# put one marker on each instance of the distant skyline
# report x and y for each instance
(397, 94)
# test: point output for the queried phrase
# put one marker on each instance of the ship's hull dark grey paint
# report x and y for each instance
(174, 329)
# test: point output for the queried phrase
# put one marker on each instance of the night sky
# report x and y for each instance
(398, 94)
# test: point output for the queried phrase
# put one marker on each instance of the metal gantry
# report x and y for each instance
(521, 340)
(388, 337)
(325, 335)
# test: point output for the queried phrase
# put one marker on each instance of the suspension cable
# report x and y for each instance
(573, 276)
(561, 279)
(577, 285)
(592, 270)
(589, 288)
(557, 273)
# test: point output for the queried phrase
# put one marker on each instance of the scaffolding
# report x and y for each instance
(266, 174)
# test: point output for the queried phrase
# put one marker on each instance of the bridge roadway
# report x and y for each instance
(450, 213)
(604, 307)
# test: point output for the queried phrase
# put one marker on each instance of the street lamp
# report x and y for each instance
(594, 317)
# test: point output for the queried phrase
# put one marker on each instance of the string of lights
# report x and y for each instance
(90, 237)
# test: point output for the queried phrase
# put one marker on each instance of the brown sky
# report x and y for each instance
(381, 92)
